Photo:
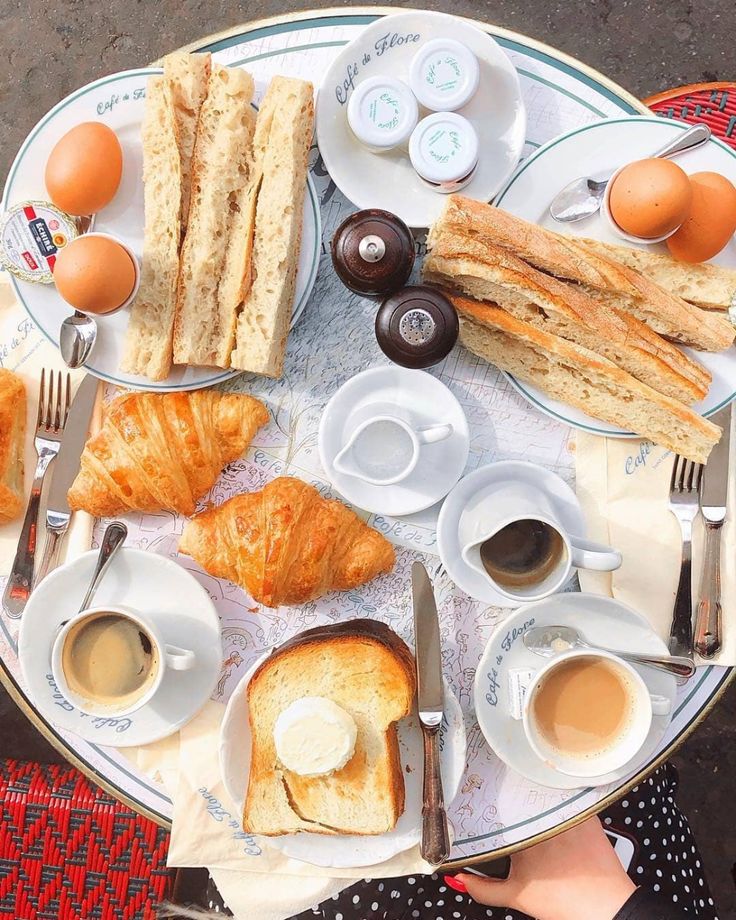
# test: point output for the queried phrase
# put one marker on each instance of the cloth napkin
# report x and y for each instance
(25, 350)
(623, 486)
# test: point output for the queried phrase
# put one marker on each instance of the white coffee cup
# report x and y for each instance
(384, 449)
(643, 706)
(506, 503)
(165, 656)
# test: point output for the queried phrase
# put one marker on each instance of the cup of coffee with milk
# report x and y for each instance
(110, 661)
(512, 534)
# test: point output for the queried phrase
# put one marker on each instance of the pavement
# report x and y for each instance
(47, 49)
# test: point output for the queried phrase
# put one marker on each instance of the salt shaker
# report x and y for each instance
(373, 252)
(416, 326)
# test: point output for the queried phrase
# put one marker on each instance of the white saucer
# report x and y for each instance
(388, 180)
(344, 851)
(145, 582)
(416, 397)
(602, 621)
(448, 540)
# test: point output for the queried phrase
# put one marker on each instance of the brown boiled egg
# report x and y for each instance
(95, 274)
(711, 221)
(649, 198)
(84, 168)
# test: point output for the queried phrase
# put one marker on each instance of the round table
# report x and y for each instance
(496, 810)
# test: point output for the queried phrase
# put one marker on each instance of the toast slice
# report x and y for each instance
(488, 272)
(148, 341)
(281, 147)
(188, 75)
(570, 260)
(365, 668)
(220, 169)
(581, 378)
(709, 286)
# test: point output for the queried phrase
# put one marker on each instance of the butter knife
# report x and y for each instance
(66, 467)
(435, 846)
(713, 505)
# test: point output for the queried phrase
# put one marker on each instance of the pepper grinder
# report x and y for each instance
(417, 326)
(373, 252)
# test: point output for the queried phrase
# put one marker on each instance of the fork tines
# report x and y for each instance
(53, 412)
(685, 475)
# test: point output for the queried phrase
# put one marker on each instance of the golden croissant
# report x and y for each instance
(163, 451)
(286, 544)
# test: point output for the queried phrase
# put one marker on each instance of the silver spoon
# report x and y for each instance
(549, 641)
(111, 542)
(78, 332)
(583, 196)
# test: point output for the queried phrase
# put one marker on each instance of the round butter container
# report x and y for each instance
(443, 149)
(31, 234)
(444, 75)
(382, 113)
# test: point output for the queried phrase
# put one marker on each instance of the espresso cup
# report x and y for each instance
(588, 713)
(384, 449)
(117, 667)
(511, 533)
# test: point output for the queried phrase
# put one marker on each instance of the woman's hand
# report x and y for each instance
(574, 876)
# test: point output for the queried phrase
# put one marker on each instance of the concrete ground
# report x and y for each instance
(48, 49)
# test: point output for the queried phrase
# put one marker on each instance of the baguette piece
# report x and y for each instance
(281, 147)
(12, 444)
(487, 272)
(581, 378)
(188, 75)
(571, 260)
(149, 335)
(709, 286)
(365, 668)
(203, 328)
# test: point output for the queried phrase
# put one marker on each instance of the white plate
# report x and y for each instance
(388, 180)
(119, 101)
(155, 586)
(419, 399)
(603, 621)
(343, 851)
(589, 150)
(448, 540)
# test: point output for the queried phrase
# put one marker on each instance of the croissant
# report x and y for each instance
(163, 451)
(12, 434)
(286, 544)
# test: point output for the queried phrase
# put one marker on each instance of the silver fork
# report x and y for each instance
(684, 504)
(52, 415)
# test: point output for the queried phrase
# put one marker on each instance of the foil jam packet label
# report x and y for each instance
(31, 234)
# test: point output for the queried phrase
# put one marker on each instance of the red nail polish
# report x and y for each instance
(455, 884)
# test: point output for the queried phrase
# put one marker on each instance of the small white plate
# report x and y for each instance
(119, 102)
(344, 851)
(419, 399)
(146, 582)
(588, 151)
(387, 180)
(602, 621)
(448, 540)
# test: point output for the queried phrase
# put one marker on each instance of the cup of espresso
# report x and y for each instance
(587, 713)
(110, 661)
(512, 534)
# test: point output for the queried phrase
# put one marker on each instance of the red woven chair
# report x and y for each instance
(69, 851)
(712, 103)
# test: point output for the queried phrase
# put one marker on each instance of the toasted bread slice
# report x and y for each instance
(148, 342)
(365, 668)
(281, 147)
(571, 260)
(220, 170)
(488, 272)
(581, 378)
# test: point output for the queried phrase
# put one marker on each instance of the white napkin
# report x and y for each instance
(623, 486)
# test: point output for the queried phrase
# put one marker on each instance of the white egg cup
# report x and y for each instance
(614, 227)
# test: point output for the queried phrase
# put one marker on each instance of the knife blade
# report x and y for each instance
(713, 506)
(435, 844)
(65, 469)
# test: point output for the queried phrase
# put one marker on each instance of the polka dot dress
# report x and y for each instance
(665, 861)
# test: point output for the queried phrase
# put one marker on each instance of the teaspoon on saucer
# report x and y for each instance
(112, 540)
(548, 641)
